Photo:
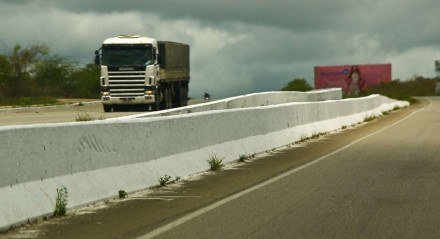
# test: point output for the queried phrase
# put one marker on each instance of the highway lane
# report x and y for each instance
(384, 186)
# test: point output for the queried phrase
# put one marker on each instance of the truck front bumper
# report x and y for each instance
(137, 100)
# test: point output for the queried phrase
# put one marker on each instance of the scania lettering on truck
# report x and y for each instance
(138, 70)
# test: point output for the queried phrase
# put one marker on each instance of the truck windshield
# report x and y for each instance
(126, 55)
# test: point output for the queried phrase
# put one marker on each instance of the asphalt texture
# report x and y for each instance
(384, 185)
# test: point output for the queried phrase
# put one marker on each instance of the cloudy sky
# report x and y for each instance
(240, 46)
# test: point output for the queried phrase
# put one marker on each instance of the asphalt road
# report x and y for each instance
(375, 180)
(384, 186)
(62, 115)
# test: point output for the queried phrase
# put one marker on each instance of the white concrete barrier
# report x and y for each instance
(249, 100)
(94, 160)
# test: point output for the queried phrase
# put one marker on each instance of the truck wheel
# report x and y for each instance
(184, 95)
(177, 95)
(107, 108)
(168, 98)
(155, 106)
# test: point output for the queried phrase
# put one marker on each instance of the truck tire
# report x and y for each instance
(107, 108)
(155, 106)
(184, 95)
(168, 98)
(177, 95)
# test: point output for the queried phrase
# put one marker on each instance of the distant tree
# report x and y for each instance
(34, 74)
(298, 84)
(5, 75)
(52, 76)
(21, 60)
(86, 81)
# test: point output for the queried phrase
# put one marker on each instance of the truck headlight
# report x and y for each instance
(105, 93)
(149, 92)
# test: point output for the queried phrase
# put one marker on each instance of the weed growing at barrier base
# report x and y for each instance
(163, 181)
(303, 138)
(396, 108)
(80, 104)
(122, 194)
(242, 158)
(61, 202)
(215, 163)
(344, 127)
(177, 178)
(317, 135)
(385, 112)
(369, 118)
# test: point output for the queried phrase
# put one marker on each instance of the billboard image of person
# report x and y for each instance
(355, 81)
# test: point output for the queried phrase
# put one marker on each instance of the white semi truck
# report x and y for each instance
(138, 70)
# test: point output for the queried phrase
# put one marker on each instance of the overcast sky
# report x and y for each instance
(240, 46)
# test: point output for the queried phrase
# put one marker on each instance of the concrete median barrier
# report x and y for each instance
(94, 160)
(249, 100)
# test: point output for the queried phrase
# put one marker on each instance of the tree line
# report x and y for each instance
(32, 72)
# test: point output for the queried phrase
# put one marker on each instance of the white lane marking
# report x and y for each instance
(156, 232)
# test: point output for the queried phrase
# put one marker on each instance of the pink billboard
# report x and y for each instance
(351, 78)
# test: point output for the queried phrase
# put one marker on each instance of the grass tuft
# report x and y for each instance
(369, 118)
(122, 194)
(215, 163)
(163, 181)
(242, 158)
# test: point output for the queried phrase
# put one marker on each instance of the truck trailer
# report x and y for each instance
(137, 70)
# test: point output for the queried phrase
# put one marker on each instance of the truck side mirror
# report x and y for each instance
(97, 58)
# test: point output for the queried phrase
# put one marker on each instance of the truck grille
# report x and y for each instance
(126, 83)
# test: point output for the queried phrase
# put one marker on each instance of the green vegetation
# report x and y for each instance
(369, 118)
(404, 90)
(122, 194)
(242, 157)
(215, 163)
(30, 76)
(61, 202)
(164, 180)
(298, 84)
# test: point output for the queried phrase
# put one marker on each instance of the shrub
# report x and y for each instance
(164, 180)
(122, 194)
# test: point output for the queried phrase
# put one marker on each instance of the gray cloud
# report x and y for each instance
(241, 46)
